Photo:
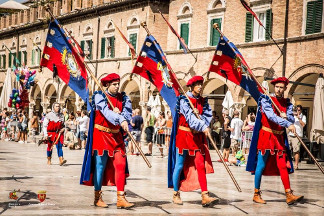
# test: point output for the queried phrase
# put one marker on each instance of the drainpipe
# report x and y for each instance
(97, 53)
(284, 50)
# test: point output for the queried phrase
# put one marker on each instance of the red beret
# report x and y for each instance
(194, 80)
(110, 78)
(283, 80)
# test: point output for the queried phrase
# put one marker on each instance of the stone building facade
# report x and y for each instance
(297, 28)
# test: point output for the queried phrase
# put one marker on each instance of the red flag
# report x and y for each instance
(132, 49)
(247, 7)
(181, 40)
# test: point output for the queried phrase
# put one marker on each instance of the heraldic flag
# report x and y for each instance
(152, 65)
(60, 56)
(230, 64)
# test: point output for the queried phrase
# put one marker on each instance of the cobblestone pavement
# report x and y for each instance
(23, 167)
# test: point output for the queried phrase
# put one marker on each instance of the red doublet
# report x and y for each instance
(194, 177)
(186, 140)
(275, 143)
(104, 141)
(53, 129)
(268, 140)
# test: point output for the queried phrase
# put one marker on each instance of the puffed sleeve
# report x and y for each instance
(207, 113)
(290, 114)
(268, 111)
(127, 109)
(111, 116)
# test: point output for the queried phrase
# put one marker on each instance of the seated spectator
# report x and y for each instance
(70, 139)
(239, 159)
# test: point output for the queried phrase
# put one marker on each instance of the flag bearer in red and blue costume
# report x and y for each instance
(269, 152)
(105, 162)
(189, 158)
(53, 129)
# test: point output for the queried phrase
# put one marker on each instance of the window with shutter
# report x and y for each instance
(82, 45)
(10, 55)
(90, 49)
(314, 17)
(25, 57)
(112, 47)
(33, 57)
(132, 40)
(19, 58)
(268, 24)
(184, 33)
(214, 34)
(103, 47)
(249, 27)
(4, 61)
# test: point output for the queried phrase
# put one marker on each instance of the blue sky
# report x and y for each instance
(20, 1)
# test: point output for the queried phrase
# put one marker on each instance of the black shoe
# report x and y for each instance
(148, 154)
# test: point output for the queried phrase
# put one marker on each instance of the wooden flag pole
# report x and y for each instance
(277, 108)
(143, 24)
(102, 89)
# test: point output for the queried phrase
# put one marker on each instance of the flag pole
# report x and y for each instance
(102, 89)
(276, 107)
(143, 24)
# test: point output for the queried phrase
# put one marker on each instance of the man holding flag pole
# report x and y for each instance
(105, 161)
(269, 151)
(189, 158)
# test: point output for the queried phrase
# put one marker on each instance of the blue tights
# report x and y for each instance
(101, 162)
(178, 169)
(59, 150)
(262, 160)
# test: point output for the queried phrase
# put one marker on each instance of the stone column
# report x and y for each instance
(45, 106)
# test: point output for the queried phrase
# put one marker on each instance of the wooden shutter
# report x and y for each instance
(318, 16)
(9, 59)
(314, 17)
(214, 34)
(33, 57)
(184, 33)
(4, 61)
(19, 58)
(103, 47)
(249, 27)
(90, 49)
(112, 44)
(268, 24)
(132, 40)
(25, 57)
(82, 45)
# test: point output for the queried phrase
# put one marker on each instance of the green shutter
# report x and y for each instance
(249, 27)
(90, 49)
(184, 33)
(25, 57)
(39, 56)
(112, 49)
(268, 24)
(4, 61)
(9, 59)
(132, 40)
(82, 45)
(103, 47)
(33, 57)
(19, 58)
(318, 16)
(314, 17)
(214, 34)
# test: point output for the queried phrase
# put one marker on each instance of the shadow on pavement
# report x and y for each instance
(15, 178)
